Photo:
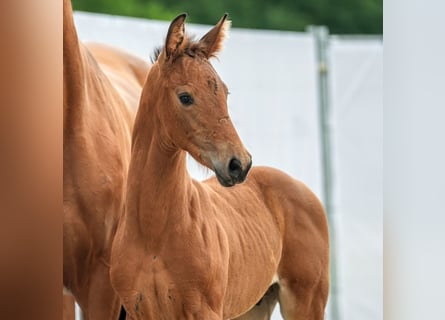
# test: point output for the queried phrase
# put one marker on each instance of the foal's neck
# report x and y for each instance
(159, 186)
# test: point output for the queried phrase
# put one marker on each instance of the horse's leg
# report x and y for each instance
(103, 301)
(302, 302)
(303, 271)
(68, 307)
(264, 308)
(303, 276)
(304, 286)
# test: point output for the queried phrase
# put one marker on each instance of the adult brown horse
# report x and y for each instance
(190, 250)
(101, 90)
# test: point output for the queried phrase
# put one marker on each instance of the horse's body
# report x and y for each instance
(101, 88)
(126, 72)
(190, 250)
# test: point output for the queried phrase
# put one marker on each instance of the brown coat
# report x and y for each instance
(191, 250)
(101, 91)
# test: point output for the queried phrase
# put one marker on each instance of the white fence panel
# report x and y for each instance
(356, 109)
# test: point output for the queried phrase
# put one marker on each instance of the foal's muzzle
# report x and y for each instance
(233, 173)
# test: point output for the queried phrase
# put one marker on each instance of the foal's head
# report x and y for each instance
(189, 102)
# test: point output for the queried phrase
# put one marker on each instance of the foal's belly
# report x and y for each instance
(255, 251)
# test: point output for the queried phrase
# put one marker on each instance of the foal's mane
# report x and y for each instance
(155, 54)
(191, 48)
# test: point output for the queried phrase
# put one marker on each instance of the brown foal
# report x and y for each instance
(190, 250)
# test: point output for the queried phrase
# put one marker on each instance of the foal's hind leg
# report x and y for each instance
(304, 267)
(302, 302)
(303, 276)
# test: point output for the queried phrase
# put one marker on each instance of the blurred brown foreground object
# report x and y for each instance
(30, 159)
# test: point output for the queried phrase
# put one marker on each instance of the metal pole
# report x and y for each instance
(321, 36)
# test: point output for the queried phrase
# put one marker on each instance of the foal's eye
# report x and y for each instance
(186, 99)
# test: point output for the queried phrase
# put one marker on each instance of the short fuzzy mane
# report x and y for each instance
(191, 48)
(155, 55)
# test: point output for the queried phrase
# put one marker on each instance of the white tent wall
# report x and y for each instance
(356, 115)
(272, 78)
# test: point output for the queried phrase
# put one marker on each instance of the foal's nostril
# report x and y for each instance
(235, 168)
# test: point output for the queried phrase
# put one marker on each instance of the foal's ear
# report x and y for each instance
(213, 40)
(175, 37)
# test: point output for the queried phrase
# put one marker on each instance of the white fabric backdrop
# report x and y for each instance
(272, 77)
(356, 101)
